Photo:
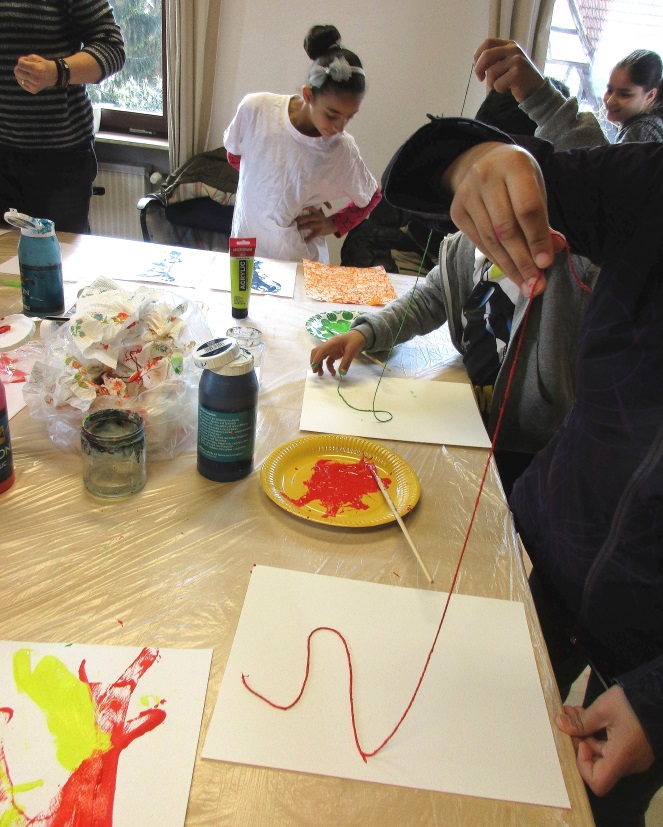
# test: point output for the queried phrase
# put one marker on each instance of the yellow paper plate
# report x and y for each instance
(287, 469)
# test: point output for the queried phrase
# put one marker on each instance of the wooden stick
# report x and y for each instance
(394, 511)
(377, 361)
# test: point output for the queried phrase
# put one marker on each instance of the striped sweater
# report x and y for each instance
(54, 118)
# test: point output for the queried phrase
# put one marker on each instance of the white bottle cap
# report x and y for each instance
(35, 227)
(216, 353)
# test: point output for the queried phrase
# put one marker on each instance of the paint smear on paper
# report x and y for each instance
(89, 726)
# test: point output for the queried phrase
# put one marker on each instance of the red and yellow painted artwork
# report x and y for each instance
(89, 728)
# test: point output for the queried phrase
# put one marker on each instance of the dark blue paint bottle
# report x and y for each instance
(227, 407)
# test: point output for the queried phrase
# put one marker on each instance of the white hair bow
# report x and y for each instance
(339, 70)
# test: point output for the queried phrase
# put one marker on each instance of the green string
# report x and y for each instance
(467, 89)
(372, 409)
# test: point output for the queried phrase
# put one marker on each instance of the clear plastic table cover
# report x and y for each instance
(170, 567)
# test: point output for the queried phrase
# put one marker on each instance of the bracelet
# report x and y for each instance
(64, 73)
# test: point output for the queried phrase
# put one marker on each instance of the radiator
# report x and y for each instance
(114, 213)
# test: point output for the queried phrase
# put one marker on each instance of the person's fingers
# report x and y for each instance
(325, 354)
(303, 222)
(484, 62)
(498, 234)
(316, 359)
(330, 365)
(531, 212)
(349, 354)
(34, 73)
(343, 346)
(490, 51)
(478, 227)
(592, 754)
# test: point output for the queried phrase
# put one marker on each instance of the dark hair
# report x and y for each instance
(322, 44)
(645, 69)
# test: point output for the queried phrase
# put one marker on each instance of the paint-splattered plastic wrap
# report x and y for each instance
(169, 567)
(123, 348)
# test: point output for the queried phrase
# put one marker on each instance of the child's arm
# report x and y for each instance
(349, 216)
(234, 160)
(316, 223)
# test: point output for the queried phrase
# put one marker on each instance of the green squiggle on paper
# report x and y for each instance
(67, 705)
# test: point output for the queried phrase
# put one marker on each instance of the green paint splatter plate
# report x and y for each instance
(325, 325)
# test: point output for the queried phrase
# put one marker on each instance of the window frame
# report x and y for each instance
(128, 122)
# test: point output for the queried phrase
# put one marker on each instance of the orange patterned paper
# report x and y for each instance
(347, 285)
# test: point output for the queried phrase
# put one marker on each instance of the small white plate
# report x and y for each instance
(15, 330)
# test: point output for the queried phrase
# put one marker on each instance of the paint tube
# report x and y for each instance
(242, 251)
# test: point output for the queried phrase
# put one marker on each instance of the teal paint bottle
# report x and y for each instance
(40, 263)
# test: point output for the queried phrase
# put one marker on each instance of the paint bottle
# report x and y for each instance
(227, 406)
(6, 461)
(40, 263)
(241, 252)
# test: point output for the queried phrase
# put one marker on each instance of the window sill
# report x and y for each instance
(124, 139)
(139, 150)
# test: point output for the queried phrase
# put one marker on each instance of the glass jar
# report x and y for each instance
(113, 446)
(251, 339)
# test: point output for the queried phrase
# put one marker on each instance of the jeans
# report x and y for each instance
(49, 183)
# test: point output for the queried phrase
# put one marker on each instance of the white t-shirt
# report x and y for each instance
(283, 172)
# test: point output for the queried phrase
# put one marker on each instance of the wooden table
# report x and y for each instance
(174, 562)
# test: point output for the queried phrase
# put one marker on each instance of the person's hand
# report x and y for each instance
(344, 347)
(504, 65)
(500, 204)
(608, 739)
(33, 73)
(314, 222)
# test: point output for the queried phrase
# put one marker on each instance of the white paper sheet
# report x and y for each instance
(154, 770)
(478, 726)
(148, 263)
(170, 266)
(443, 413)
(269, 276)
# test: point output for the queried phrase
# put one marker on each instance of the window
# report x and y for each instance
(134, 99)
(587, 38)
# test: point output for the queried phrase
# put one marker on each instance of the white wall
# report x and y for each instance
(417, 55)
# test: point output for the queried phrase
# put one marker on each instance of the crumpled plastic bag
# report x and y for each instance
(125, 349)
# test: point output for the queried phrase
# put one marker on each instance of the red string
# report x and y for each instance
(569, 258)
(364, 754)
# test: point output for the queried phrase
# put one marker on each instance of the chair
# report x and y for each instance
(194, 206)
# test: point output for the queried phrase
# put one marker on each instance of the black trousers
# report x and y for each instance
(626, 804)
(49, 183)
